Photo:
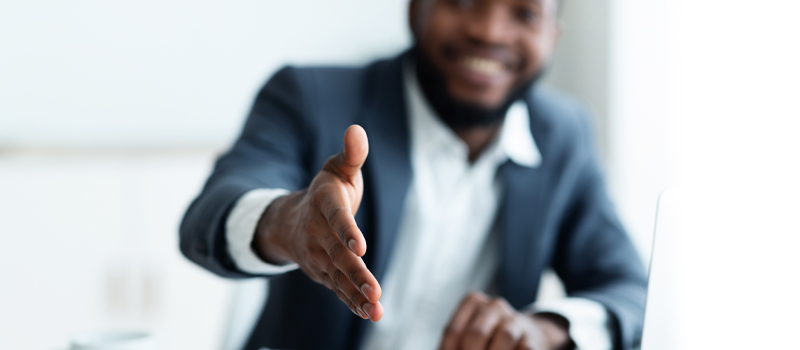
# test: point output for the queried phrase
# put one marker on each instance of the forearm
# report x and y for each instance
(202, 231)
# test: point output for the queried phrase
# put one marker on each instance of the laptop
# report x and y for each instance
(725, 271)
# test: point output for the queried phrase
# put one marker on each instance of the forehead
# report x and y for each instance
(546, 4)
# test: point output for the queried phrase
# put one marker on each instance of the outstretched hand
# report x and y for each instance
(316, 229)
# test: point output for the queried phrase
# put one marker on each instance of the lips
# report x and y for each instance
(478, 67)
(481, 65)
(480, 71)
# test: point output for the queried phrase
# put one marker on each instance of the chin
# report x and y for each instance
(483, 99)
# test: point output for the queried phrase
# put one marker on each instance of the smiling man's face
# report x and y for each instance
(484, 49)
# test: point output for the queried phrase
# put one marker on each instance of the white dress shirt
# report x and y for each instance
(446, 244)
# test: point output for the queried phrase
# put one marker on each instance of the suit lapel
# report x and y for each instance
(520, 224)
(516, 224)
(388, 166)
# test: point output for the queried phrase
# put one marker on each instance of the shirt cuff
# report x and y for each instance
(240, 228)
(588, 321)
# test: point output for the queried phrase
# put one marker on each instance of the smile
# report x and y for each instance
(481, 65)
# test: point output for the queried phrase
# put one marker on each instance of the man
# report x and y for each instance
(476, 181)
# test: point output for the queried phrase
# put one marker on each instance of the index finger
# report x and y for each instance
(352, 267)
(340, 219)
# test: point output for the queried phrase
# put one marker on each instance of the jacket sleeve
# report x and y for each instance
(271, 152)
(595, 257)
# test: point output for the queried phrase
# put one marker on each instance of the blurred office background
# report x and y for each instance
(112, 112)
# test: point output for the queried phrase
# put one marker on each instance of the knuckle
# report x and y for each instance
(505, 333)
(503, 305)
(451, 331)
(322, 275)
(336, 214)
(330, 268)
(352, 275)
(476, 334)
(333, 250)
(358, 298)
(335, 277)
(498, 304)
(341, 296)
(475, 296)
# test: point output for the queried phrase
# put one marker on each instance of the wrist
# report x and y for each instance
(269, 241)
(555, 330)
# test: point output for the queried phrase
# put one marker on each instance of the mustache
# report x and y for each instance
(500, 53)
(456, 113)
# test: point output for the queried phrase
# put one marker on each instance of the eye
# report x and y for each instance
(461, 3)
(527, 15)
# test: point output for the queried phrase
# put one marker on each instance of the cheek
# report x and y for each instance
(537, 53)
(438, 30)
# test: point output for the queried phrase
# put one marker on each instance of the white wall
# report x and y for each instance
(641, 125)
(175, 72)
(582, 63)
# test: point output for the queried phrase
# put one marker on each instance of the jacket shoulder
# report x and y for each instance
(322, 81)
(558, 108)
(561, 125)
(330, 99)
(336, 80)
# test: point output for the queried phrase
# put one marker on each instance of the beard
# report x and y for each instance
(459, 114)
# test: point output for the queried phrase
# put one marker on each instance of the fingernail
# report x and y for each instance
(366, 289)
(352, 244)
(368, 308)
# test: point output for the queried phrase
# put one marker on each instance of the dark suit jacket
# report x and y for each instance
(557, 215)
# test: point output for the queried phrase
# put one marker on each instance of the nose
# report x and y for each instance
(488, 25)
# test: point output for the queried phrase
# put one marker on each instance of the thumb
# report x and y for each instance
(351, 158)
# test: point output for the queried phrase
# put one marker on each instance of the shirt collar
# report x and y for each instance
(514, 141)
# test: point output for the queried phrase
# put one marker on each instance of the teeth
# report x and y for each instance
(481, 65)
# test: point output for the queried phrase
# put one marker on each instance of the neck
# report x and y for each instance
(476, 125)
(478, 138)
